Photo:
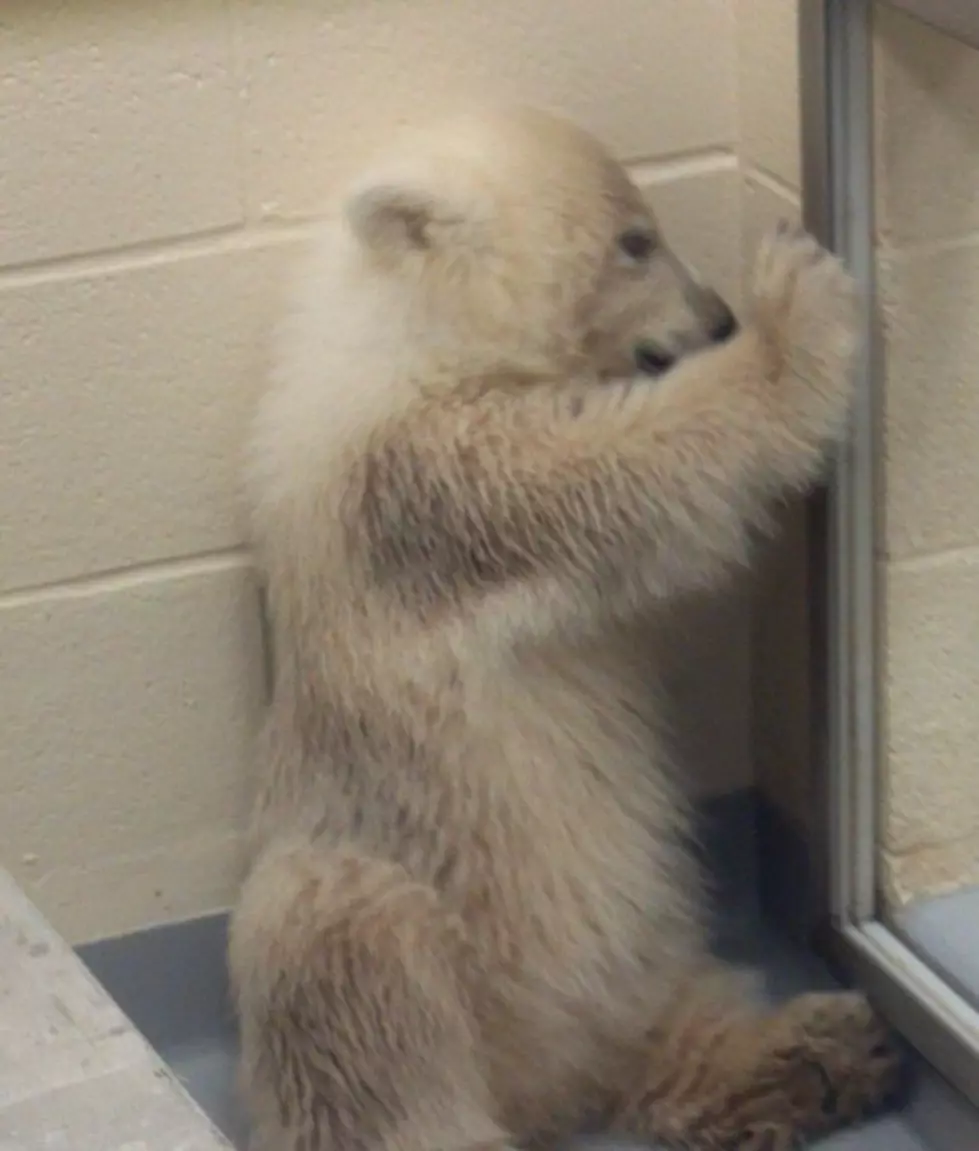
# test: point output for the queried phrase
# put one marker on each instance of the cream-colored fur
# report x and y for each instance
(472, 917)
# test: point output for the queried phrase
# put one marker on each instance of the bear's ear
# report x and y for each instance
(392, 213)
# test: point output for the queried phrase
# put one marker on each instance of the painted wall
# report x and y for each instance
(159, 163)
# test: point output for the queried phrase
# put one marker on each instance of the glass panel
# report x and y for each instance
(960, 18)
(926, 143)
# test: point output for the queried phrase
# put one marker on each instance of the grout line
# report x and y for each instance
(153, 253)
(248, 233)
(929, 561)
(921, 846)
(768, 180)
(125, 578)
(701, 151)
(926, 248)
(662, 169)
(82, 261)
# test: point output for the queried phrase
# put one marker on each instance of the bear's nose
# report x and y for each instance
(724, 326)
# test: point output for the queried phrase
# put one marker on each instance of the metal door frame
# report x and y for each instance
(838, 198)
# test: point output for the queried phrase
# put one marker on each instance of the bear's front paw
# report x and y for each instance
(806, 309)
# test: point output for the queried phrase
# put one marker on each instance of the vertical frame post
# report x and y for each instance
(837, 100)
(837, 164)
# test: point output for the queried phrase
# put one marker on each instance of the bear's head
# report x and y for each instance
(513, 242)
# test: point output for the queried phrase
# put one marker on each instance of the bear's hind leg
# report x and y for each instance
(355, 1030)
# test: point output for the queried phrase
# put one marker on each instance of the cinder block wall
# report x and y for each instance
(926, 141)
(927, 134)
(158, 166)
(771, 178)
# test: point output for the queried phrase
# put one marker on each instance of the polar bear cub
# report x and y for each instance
(506, 420)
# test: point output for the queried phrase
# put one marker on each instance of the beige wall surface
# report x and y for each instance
(927, 175)
(771, 173)
(159, 164)
(927, 147)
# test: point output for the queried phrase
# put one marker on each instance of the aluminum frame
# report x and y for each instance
(838, 197)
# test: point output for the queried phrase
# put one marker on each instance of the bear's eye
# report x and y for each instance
(637, 244)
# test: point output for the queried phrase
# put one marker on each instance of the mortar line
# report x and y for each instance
(126, 577)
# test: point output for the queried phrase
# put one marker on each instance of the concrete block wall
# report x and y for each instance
(159, 164)
(927, 173)
(770, 154)
(927, 136)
